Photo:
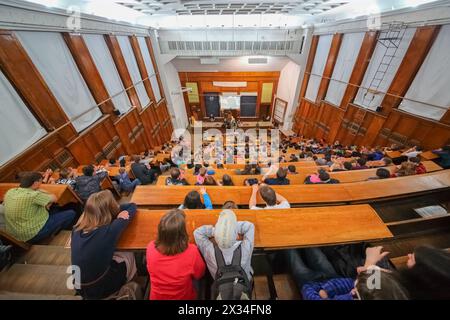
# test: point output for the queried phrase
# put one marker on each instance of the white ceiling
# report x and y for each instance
(173, 14)
(220, 7)
(233, 64)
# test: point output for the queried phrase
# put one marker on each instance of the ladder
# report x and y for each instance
(390, 38)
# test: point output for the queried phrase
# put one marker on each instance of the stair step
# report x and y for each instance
(61, 239)
(36, 279)
(8, 295)
(47, 255)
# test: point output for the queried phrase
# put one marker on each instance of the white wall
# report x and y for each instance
(233, 64)
(288, 86)
(175, 99)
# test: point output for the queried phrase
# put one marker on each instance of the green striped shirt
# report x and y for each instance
(25, 212)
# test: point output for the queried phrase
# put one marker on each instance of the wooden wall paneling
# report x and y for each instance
(50, 152)
(155, 66)
(28, 82)
(88, 70)
(329, 66)
(119, 61)
(415, 55)
(362, 62)
(373, 128)
(336, 116)
(125, 132)
(205, 80)
(446, 118)
(149, 128)
(92, 145)
(142, 68)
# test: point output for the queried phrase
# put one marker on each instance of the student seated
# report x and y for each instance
(29, 214)
(272, 199)
(202, 174)
(381, 173)
(444, 156)
(142, 172)
(420, 168)
(229, 205)
(361, 164)
(192, 200)
(406, 169)
(176, 178)
(227, 246)
(226, 180)
(112, 162)
(427, 274)
(292, 169)
(125, 184)
(315, 275)
(67, 176)
(89, 183)
(93, 246)
(210, 181)
(172, 262)
(279, 180)
(325, 178)
(317, 279)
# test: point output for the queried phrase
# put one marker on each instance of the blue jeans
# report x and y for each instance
(308, 265)
(130, 187)
(57, 220)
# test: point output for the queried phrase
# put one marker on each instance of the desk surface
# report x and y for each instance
(274, 229)
(301, 194)
(63, 193)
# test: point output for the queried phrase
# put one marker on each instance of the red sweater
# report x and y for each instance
(171, 276)
(420, 168)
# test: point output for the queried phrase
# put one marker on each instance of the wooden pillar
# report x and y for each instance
(88, 70)
(329, 66)
(119, 60)
(28, 82)
(359, 70)
(142, 68)
(309, 64)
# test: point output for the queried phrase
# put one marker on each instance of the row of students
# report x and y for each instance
(176, 266)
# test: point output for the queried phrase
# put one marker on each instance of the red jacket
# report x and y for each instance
(420, 168)
(171, 276)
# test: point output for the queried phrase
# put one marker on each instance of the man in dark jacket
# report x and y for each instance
(279, 180)
(142, 172)
(89, 182)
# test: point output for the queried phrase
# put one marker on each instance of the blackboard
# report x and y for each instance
(212, 104)
(248, 106)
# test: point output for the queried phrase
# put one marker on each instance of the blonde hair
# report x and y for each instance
(100, 209)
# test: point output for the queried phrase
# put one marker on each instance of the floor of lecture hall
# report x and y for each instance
(284, 285)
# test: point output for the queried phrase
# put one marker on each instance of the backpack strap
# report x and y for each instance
(237, 256)
(220, 260)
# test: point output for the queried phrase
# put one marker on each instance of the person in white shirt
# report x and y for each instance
(272, 199)
(412, 152)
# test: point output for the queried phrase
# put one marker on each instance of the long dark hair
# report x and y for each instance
(429, 278)
(390, 287)
(193, 201)
(172, 236)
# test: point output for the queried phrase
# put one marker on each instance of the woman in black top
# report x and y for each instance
(94, 238)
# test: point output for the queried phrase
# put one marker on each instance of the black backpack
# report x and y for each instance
(231, 282)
